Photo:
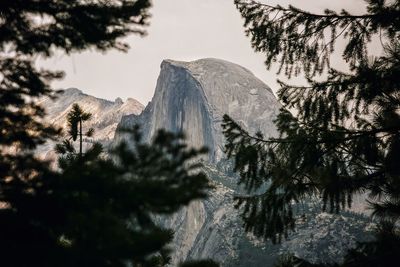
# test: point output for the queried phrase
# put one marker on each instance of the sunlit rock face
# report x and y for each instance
(105, 115)
(193, 97)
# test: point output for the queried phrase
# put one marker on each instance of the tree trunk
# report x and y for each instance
(80, 136)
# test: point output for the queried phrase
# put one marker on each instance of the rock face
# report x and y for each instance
(105, 114)
(192, 97)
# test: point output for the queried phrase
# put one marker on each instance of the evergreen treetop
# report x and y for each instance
(75, 119)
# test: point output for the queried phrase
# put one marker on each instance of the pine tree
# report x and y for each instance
(339, 135)
(75, 119)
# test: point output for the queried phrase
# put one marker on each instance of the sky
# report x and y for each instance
(181, 30)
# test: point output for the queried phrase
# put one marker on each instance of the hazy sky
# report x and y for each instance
(180, 30)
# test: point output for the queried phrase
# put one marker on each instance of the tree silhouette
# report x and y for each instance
(344, 136)
(75, 119)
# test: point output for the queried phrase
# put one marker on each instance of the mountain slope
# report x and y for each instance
(105, 115)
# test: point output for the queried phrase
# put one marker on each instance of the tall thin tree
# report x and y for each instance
(75, 119)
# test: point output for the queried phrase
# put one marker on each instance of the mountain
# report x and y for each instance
(192, 97)
(105, 114)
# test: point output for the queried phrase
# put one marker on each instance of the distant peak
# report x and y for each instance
(134, 101)
(118, 101)
(72, 91)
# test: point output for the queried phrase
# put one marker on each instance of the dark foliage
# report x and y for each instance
(31, 27)
(96, 212)
(289, 260)
(344, 136)
(205, 263)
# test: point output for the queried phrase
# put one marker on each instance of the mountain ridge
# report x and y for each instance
(106, 115)
(105, 112)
